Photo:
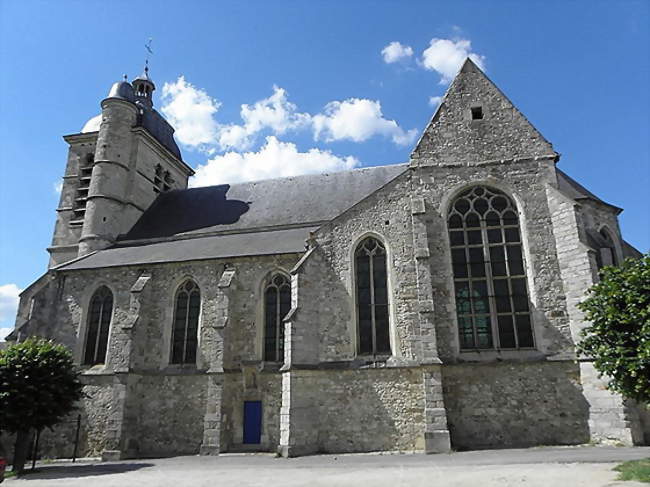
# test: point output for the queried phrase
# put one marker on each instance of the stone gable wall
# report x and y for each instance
(503, 133)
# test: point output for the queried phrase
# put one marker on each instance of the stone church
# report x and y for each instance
(421, 306)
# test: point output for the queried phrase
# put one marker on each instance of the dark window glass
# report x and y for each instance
(491, 296)
(187, 308)
(456, 238)
(506, 332)
(476, 262)
(277, 303)
(372, 296)
(99, 321)
(472, 221)
(494, 236)
(512, 234)
(474, 237)
(524, 330)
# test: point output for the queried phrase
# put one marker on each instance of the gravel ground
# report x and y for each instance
(535, 467)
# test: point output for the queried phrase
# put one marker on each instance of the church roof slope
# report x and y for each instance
(285, 241)
(291, 201)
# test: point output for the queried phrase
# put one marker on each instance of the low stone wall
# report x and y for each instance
(515, 405)
(171, 414)
(95, 408)
(369, 409)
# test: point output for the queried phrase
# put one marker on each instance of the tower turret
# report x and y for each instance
(144, 87)
(107, 208)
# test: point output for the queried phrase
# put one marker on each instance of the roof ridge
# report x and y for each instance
(301, 176)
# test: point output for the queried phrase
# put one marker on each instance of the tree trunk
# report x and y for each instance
(21, 448)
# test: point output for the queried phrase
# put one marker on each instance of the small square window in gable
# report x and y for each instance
(477, 112)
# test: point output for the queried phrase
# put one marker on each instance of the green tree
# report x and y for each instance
(618, 339)
(38, 387)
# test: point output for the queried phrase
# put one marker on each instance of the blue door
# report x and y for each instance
(252, 422)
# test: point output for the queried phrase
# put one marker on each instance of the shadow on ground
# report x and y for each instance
(75, 471)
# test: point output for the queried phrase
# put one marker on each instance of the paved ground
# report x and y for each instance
(535, 467)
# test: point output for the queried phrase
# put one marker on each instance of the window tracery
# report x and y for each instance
(99, 320)
(277, 303)
(372, 298)
(186, 323)
(489, 272)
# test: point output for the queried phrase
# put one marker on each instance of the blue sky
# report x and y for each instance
(320, 92)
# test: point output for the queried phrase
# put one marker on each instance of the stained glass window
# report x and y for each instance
(489, 272)
(186, 323)
(372, 298)
(277, 303)
(99, 320)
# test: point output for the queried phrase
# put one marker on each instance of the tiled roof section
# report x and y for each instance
(204, 247)
(299, 200)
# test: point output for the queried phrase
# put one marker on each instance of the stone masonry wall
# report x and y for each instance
(386, 215)
(515, 404)
(170, 419)
(526, 182)
(370, 409)
(159, 408)
(251, 386)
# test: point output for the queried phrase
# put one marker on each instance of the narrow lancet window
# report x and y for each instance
(99, 321)
(277, 303)
(186, 324)
(489, 272)
(372, 298)
(607, 252)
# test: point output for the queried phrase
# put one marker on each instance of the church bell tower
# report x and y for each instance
(117, 165)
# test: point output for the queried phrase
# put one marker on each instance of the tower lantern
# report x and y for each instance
(144, 87)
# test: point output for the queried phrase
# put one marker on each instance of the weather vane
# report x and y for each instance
(147, 46)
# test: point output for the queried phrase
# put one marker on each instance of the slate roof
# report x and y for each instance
(298, 200)
(575, 190)
(256, 218)
(206, 247)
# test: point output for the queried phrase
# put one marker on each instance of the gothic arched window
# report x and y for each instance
(607, 250)
(186, 323)
(372, 298)
(99, 321)
(277, 303)
(489, 272)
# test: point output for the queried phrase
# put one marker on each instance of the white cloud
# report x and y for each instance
(274, 113)
(274, 159)
(395, 52)
(446, 56)
(190, 111)
(434, 101)
(4, 332)
(57, 187)
(357, 120)
(8, 306)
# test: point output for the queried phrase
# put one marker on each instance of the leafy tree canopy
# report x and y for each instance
(38, 385)
(619, 337)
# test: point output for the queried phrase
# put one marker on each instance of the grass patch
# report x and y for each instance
(634, 470)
